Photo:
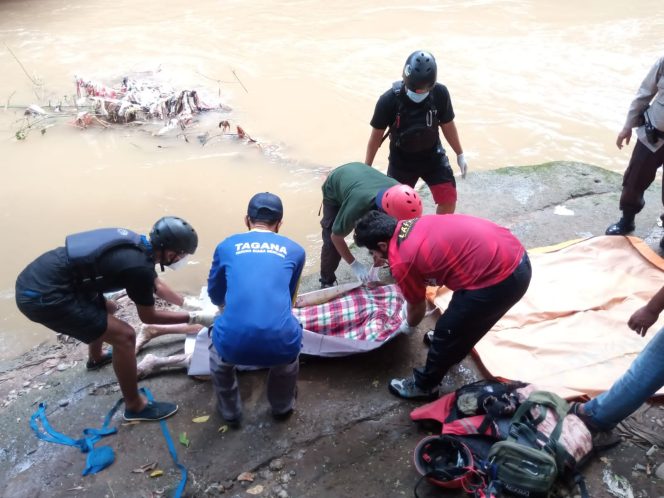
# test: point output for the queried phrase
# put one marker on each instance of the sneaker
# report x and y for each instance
(428, 338)
(154, 410)
(407, 389)
(622, 227)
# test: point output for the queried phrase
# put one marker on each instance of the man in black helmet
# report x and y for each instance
(413, 109)
(63, 290)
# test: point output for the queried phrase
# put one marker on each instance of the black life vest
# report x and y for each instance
(415, 128)
(85, 249)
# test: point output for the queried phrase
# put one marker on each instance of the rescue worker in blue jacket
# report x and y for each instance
(254, 276)
(413, 109)
(63, 290)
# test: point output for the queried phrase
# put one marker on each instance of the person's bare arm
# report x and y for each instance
(375, 140)
(643, 318)
(167, 294)
(452, 136)
(342, 248)
(149, 314)
(415, 313)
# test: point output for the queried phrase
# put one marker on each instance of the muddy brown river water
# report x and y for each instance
(531, 81)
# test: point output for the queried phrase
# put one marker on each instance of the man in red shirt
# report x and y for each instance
(485, 266)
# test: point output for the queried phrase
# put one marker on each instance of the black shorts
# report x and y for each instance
(435, 171)
(83, 317)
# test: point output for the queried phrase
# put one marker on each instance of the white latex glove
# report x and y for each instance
(404, 328)
(205, 318)
(373, 274)
(360, 271)
(192, 303)
(463, 165)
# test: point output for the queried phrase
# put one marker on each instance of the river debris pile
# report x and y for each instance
(154, 106)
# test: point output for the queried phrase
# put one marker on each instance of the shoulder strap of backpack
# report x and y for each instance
(544, 400)
(396, 89)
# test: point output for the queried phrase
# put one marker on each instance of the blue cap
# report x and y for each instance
(379, 198)
(265, 206)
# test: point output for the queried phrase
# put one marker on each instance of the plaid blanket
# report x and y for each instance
(361, 314)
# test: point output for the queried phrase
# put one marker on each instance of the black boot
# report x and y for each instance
(624, 226)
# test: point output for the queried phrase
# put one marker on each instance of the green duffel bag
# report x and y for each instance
(520, 470)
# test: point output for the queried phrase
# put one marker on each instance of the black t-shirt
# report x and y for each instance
(50, 278)
(131, 269)
(387, 108)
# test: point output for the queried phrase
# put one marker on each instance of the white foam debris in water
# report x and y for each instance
(563, 211)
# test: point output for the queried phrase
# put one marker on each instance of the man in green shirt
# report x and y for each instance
(349, 192)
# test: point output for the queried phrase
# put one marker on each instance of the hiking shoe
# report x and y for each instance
(407, 389)
(428, 338)
(106, 358)
(154, 410)
(622, 227)
(603, 440)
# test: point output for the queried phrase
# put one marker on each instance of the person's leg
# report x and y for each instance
(224, 380)
(441, 182)
(147, 332)
(329, 256)
(445, 197)
(643, 378)
(122, 337)
(152, 364)
(86, 318)
(96, 355)
(638, 176)
(469, 316)
(282, 387)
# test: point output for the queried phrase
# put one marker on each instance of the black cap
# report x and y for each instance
(265, 206)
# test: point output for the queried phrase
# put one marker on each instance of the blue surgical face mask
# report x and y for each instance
(416, 97)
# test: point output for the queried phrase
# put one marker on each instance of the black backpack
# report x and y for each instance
(415, 129)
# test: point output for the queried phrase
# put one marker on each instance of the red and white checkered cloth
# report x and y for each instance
(361, 314)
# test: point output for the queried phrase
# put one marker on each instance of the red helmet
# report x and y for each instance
(445, 461)
(401, 202)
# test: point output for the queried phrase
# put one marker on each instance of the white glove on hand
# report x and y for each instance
(463, 165)
(404, 328)
(205, 318)
(373, 274)
(192, 303)
(360, 271)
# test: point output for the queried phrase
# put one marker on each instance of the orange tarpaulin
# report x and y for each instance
(569, 333)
